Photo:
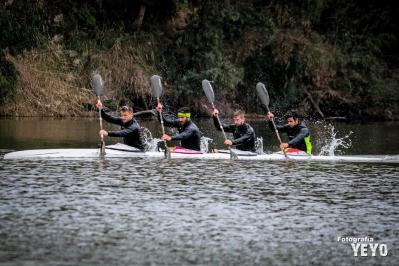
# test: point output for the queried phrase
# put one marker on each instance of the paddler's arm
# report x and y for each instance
(183, 135)
(166, 121)
(120, 133)
(301, 135)
(111, 119)
(269, 117)
(226, 128)
(107, 117)
(243, 138)
(124, 132)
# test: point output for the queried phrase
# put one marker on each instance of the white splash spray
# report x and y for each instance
(259, 145)
(205, 141)
(332, 143)
(151, 144)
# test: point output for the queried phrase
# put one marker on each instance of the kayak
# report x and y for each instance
(124, 151)
(121, 151)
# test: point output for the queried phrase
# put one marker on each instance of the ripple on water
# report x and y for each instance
(147, 211)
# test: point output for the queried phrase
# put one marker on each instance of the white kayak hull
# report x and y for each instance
(112, 153)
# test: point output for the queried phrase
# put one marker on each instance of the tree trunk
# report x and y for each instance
(314, 103)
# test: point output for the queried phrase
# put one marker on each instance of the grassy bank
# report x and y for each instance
(55, 81)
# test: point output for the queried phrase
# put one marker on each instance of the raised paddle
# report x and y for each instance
(156, 87)
(264, 97)
(206, 86)
(98, 85)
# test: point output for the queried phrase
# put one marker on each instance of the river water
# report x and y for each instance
(191, 212)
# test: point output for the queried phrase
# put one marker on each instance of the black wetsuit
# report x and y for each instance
(130, 131)
(244, 135)
(299, 136)
(189, 134)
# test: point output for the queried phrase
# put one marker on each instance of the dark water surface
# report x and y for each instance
(192, 212)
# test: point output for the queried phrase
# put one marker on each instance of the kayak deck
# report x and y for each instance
(120, 152)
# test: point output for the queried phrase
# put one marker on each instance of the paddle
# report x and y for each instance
(98, 85)
(264, 97)
(206, 86)
(156, 87)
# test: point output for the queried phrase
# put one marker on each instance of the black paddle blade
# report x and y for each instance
(206, 86)
(97, 84)
(263, 94)
(156, 85)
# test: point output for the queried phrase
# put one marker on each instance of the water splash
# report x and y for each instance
(151, 144)
(333, 144)
(259, 145)
(205, 142)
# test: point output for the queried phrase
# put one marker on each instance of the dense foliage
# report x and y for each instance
(322, 57)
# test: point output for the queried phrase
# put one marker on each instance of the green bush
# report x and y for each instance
(199, 53)
(319, 46)
(20, 25)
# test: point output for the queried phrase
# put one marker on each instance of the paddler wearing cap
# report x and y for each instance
(189, 134)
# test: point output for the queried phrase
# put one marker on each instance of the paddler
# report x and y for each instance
(298, 133)
(243, 133)
(189, 135)
(130, 129)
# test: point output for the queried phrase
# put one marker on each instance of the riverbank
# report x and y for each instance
(55, 83)
(305, 63)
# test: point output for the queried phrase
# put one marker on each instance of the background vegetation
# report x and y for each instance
(321, 57)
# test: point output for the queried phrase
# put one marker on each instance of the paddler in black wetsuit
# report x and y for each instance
(130, 129)
(297, 131)
(243, 133)
(189, 134)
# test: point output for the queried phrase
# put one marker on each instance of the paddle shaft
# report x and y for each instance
(100, 118)
(102, 149)
(220, 124)
(276, 130)
(206, 86)
(274, 125)
(232, 154)
(167, 152)
(161, 119)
